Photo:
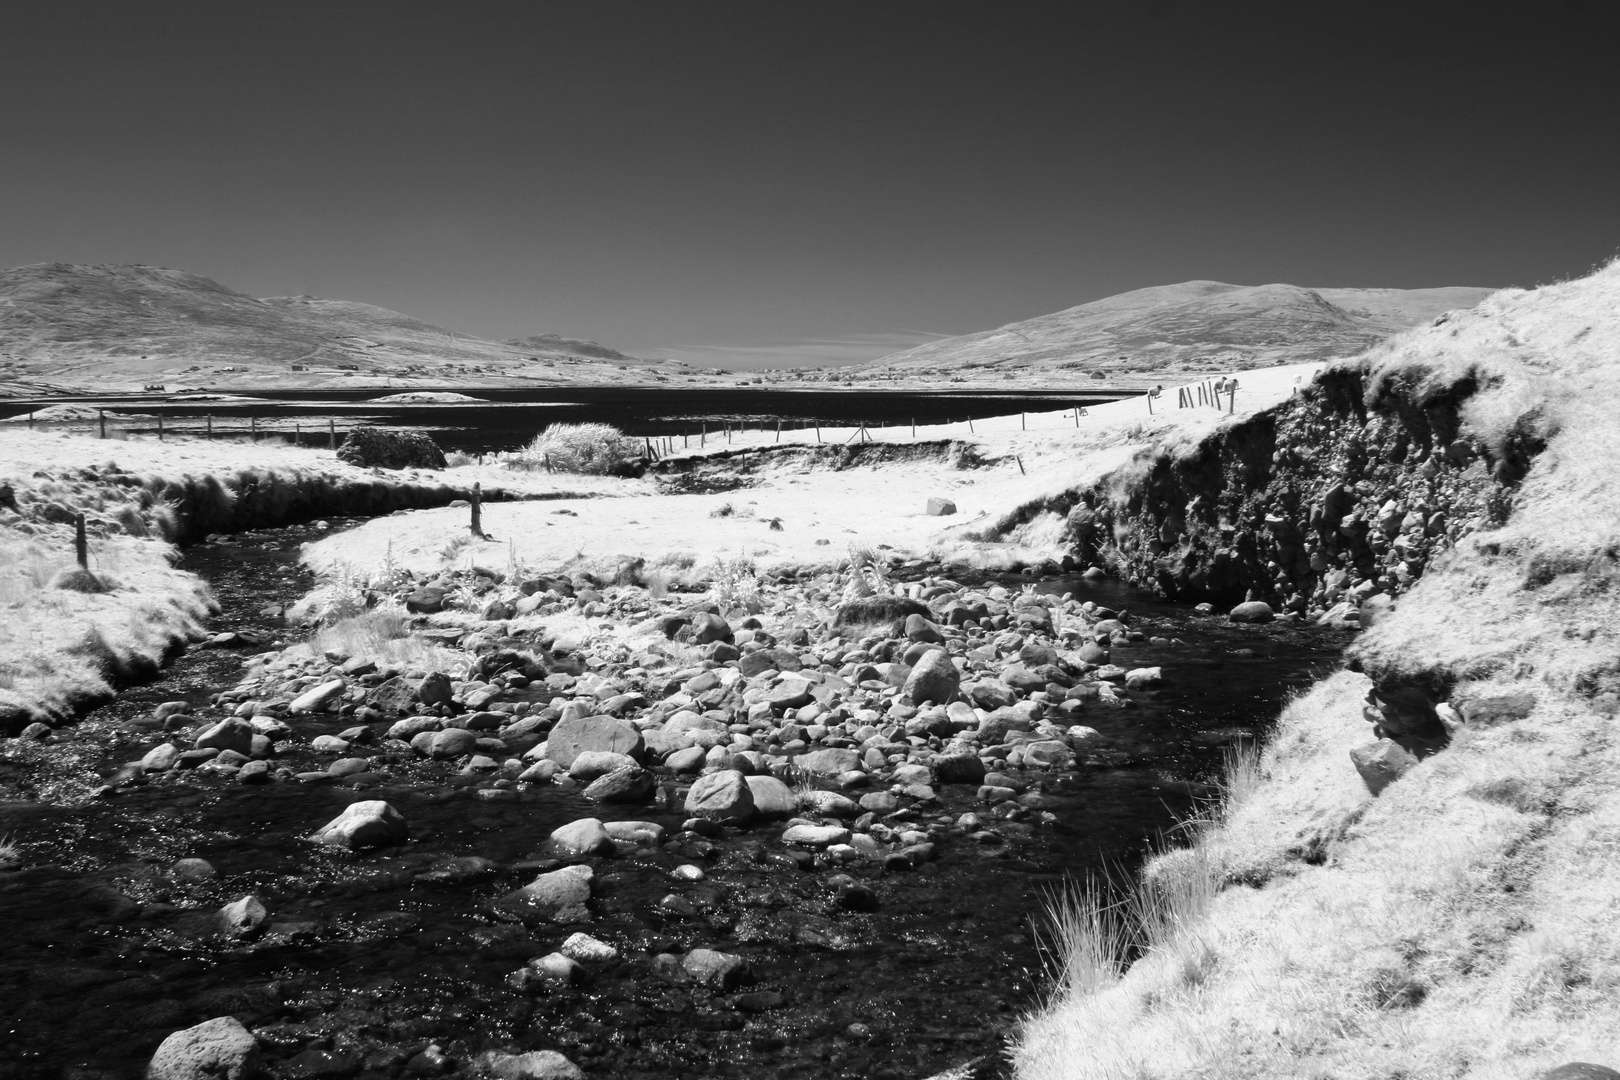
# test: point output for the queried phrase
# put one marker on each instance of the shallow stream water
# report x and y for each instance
(370, 959)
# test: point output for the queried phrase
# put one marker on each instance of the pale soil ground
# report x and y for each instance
(866, 506)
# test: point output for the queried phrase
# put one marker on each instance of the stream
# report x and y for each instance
(395, 963)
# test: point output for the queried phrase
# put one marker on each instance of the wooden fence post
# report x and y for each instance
(1023, 421)
(103, 415)
(778, 430)
(160, 427)
(81, 547)
(1020, 461)
(478, 511)
(331, 433)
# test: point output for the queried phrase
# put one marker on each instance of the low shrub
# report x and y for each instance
(577, 448)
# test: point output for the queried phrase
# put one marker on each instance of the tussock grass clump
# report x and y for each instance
(383, 634)
(577, 448)
(736, 586)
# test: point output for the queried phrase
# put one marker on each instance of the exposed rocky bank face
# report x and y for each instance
(1335, 496)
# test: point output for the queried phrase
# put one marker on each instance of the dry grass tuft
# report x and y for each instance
(383, 634)
(576, 448)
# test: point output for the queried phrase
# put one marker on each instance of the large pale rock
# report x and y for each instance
(772, 798)
(832, 761)
(759, 660)
(708, 627)
(721, 796)
(717, 970)
(934, 678)
(1251, 611)
(217, 1049)
(961, 768)
(372, 823)
(815, 835)
(920, 629)
(991, 694)
(591, 764)
(829, 803)
(228, 734)
(630, 783)
(435, 689)
(241, 918)
(576, 734)
(938, 507)
(161, 758)
(585, 949)
(450, 743)
(641, 833)
(1381, 763)
(587, 836)
(791, 693)
(534, 1065)
(562, 896)
(319, 698)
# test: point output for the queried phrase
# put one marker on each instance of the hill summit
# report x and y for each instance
(123, 327)
(1195, 327)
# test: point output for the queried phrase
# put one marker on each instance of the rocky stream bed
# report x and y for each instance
(743, 842)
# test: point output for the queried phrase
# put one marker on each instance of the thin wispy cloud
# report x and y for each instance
(799, 352)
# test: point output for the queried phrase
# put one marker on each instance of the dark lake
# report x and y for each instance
(511, 417)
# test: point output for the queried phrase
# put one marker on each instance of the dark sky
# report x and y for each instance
(750, 182)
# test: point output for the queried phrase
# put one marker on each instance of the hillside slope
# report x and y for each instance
(1421, 876)
(1196, 327)
(121, 327)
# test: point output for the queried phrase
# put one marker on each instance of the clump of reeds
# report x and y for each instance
(576, 448)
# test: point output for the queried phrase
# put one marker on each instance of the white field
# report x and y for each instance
(821, 511)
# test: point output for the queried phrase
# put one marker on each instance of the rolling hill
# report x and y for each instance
(1196, 327)
(105, 328)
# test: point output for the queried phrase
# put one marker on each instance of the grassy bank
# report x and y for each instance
(1464, 921)
(68, 640)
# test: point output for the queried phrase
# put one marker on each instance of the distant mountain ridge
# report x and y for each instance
(1190, 327)
(107, 327)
